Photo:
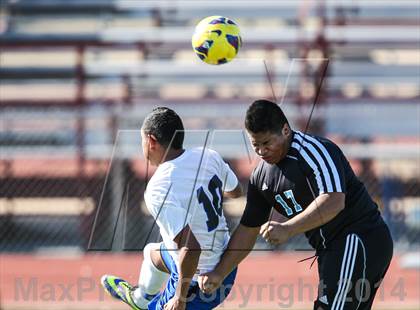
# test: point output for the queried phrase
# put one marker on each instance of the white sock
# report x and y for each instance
(151, 279)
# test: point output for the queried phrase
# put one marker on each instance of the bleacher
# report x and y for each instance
(73, 73)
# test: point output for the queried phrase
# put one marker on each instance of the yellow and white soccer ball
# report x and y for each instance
(216, 40)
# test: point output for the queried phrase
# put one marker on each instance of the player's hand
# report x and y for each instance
(175, 303)
(209, 282)
(275, 232)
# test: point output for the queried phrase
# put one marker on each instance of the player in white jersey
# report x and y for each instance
(185, 197)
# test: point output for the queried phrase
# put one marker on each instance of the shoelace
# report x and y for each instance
(315, 257)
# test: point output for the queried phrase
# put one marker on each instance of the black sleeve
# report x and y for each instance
(334, 161)
(326, 166)
(257, 210)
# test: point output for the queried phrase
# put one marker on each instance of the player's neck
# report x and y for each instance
(172, 154)
(288, 145)
(289, 140)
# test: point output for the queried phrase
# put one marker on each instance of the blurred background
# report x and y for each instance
(77, 78)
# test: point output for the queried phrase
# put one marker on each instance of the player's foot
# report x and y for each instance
(120, 289)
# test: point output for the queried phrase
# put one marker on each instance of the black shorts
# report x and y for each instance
(352, 268)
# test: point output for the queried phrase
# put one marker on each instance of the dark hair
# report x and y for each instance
(166, 126)
(264, 116)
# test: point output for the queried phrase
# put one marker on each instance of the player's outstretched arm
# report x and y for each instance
(188, 260)
(240, 245)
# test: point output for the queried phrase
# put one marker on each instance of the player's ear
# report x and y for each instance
(286, 131)
(152, 141)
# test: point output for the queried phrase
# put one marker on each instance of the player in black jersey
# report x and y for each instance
(310, 184)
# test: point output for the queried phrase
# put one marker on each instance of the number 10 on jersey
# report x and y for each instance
(213, 206)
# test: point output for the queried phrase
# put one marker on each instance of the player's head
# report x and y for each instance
(264, 115)
(161, 132)
(268, 130)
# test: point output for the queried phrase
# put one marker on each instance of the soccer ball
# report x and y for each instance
(216, 40)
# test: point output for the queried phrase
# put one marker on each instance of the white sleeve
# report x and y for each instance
(168, 213)
(229, 179)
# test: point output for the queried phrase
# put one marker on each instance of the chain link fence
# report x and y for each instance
(71, 72)
(102, 209)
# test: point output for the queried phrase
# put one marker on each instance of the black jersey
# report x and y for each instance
(313, 166)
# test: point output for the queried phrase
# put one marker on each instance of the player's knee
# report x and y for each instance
(151, 254)
(148, 249)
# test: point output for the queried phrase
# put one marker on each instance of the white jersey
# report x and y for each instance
(188, 190)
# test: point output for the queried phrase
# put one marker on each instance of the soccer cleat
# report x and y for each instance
(120, 289)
